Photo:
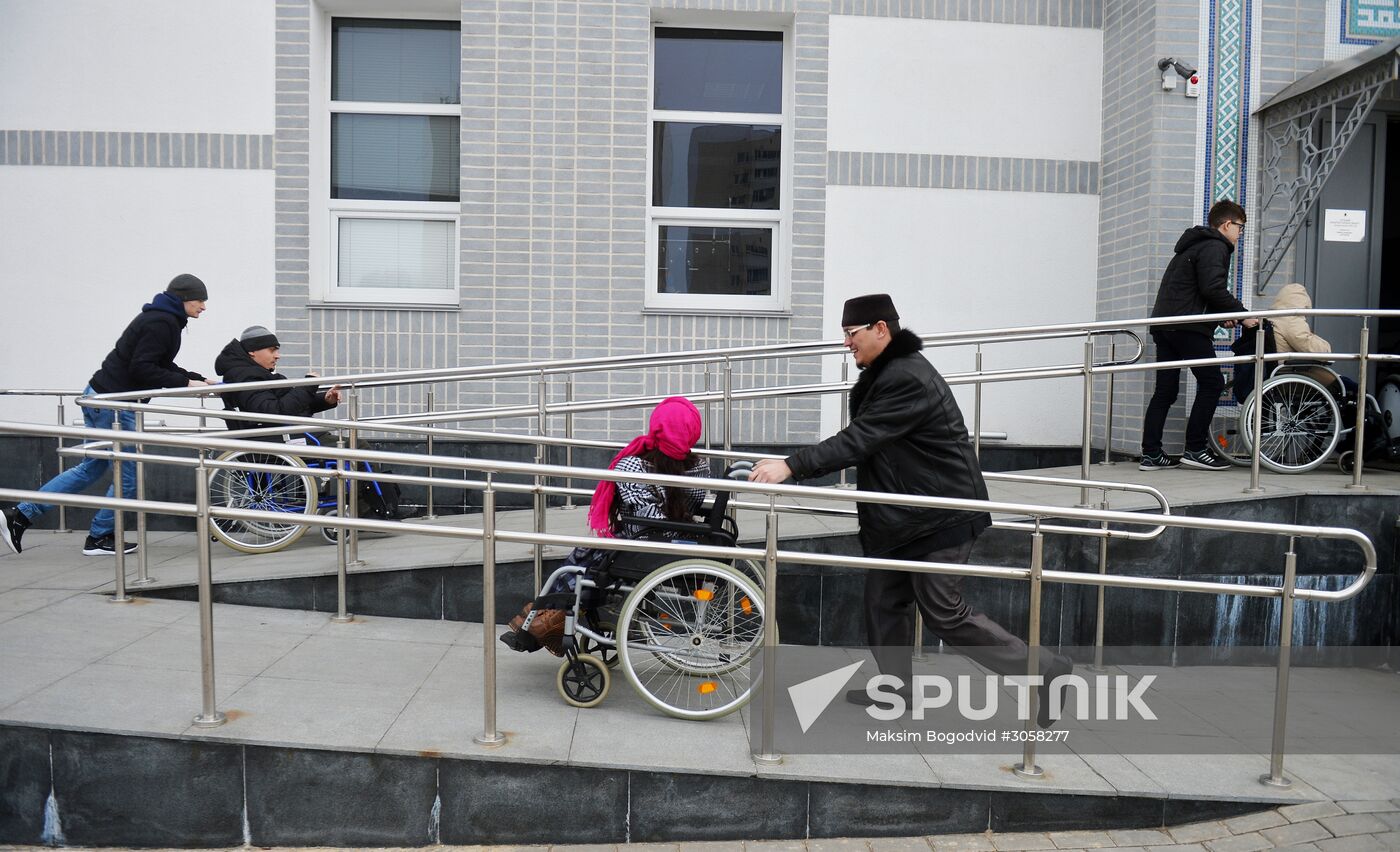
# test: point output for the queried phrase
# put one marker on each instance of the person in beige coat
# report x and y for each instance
(1292, 334)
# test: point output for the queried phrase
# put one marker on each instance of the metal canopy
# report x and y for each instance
(1307, 128)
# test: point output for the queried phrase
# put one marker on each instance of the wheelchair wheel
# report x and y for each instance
(686, 634)
(293, 493)
(1389, 400)
(1301, 424)
(1226, 441)
(583, 681)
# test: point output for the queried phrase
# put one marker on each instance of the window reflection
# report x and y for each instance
(733, 166)
(719, 70)
(716, 261)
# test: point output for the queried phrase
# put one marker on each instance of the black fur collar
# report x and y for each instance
(905, 342)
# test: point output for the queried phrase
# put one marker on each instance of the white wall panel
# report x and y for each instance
(81, 250)
(159, 65)
(955, 87)
(956, 260)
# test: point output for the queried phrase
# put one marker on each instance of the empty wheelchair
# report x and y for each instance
(682, 630)
(294, 487)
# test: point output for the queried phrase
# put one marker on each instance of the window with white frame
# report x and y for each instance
(719, 208)
(393, 188)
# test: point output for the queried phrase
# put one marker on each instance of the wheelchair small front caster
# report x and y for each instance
(1347, 461)
(583, 681)
(330, 534)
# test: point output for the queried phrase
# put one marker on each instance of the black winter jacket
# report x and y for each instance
(906, 436)
(235, 365)
(144, 356)
(1197, 280)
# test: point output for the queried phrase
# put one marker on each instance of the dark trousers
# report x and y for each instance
(890, 597)
(1182, 346)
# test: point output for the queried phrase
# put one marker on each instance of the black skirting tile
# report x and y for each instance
(485, 802)
(858, 810)
(135, 791)
(24, 784)
(1055, 812)
(677, 808)
(302, 797)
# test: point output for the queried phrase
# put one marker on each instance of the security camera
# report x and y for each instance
(1181, 67)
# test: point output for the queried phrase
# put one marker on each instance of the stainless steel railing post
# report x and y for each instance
(1108, 411)
(142, 577)
(354, 496)
(431, 512)
(1275, 778)
(977, 404)
(728, 403)
(708, 418)
(209, 717)
(341, 560)
(62, 509)
(1256, 426)
(1099, 610)
(1358, 460)
(541, 401)
(118, 517)
(489, 736)
(1086, 450)
(919, 634)
(844, 416)
(767, 754)
(1027, 768)
(569, 434)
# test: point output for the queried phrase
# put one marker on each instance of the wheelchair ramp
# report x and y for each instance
(362, 734)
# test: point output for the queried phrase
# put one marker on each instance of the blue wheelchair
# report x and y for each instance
(304, 488)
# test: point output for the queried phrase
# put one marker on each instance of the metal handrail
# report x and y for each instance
(771, 556)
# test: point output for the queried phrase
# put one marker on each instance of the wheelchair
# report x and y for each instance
(298, 491)
(681, 630)
(1309, 412)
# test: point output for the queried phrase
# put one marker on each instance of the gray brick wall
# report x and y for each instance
(134, 149)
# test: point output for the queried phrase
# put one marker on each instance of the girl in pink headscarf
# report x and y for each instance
(665, 449)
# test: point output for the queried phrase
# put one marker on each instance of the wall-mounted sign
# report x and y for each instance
(1344, 226)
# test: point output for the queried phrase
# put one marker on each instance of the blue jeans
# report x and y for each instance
(77, 478)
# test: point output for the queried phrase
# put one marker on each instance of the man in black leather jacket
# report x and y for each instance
(1196, 282)
(906, 436)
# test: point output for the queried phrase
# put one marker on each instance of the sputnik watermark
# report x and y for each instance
(1116, 697)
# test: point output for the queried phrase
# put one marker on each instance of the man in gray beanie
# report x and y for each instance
(906, 436)
(251, 357)
(142, 359)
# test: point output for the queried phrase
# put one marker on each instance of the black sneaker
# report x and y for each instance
(104, 546)
(1159, 461)
(12, 526)
(1204, 460)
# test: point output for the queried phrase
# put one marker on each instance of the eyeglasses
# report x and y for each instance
(851, 332)
(1239, 226)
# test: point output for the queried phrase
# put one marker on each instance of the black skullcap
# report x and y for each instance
(187, 288)
(256, 337)
(865, 310)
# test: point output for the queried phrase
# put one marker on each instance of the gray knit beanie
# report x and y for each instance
(256, 337)
(187, 288)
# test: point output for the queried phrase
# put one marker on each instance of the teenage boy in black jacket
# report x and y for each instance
(906, 436)
(251, 358)
(1196, 282)
(143, 359)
